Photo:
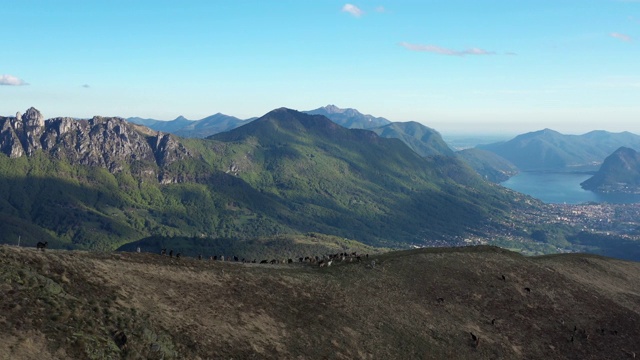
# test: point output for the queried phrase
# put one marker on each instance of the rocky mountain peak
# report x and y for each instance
(332, 109)
(108, 142)
(33, 117)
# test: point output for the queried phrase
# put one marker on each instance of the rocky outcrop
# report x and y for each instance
(108, 142)
(167, 149)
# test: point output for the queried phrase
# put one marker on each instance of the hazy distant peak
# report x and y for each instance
(281, 110)
(536, 134)
(181, 118)
(623, 150)
(332, 109)
(548, 131)
(349, 118)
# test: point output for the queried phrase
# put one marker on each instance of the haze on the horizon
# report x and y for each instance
(457, 66)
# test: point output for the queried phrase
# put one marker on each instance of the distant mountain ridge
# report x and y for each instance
(349, 118)
(620, 172)
(161, 125)
(192, 128)
(210, 125)
(550, 150)
(421, 139)
(489, 165)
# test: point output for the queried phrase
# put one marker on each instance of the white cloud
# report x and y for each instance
(622, 37)
(353, 10)
(11, 80)
(444, 51)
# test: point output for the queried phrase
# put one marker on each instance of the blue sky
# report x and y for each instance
(477, 66)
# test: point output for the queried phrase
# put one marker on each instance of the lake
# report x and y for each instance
(559, 188)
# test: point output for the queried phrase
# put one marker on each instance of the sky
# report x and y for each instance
(477, 66)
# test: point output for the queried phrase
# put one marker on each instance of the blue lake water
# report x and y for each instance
(559, 188)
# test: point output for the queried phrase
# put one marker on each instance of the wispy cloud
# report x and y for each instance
(11, 80)
(444, 51)
(380, 9)
(622, 37)
(352, 9)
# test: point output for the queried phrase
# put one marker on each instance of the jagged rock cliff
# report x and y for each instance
(108, 142)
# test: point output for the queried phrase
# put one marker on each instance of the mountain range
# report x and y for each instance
(104, 182)
(422, 139)
(193, 128)
(544, 150)
(549, 150)
(350, 118)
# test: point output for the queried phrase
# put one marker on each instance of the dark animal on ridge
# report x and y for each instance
(42, 245)
(476, 339)
(163, 252)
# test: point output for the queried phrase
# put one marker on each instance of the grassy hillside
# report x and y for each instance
(421, 139)
(74, 305)
(352, 179)
(75, 206)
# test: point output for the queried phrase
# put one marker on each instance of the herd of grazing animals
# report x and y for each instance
(322, 261)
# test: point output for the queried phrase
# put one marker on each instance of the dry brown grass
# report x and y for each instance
(61, 305)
